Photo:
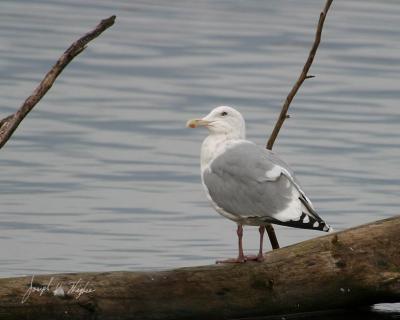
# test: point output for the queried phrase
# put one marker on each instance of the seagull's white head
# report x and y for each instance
(222, 121)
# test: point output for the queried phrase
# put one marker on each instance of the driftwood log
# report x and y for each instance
(355, 267)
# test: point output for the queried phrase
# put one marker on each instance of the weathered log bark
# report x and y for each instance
(359, 266)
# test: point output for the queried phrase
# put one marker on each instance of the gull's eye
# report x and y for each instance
(224, 113)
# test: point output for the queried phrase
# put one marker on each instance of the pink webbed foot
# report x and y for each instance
(257, 258)
(232, 260)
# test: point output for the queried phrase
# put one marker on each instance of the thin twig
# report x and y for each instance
(10, 123)
(302, 77)
(283, 115)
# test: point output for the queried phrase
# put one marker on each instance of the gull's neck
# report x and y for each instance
(214, 145)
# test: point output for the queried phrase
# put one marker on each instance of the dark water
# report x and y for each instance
(103, 175)
(365, 314)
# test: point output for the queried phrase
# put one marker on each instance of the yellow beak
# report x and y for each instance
(194, 123)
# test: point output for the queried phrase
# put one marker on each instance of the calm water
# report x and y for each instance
(103, 175)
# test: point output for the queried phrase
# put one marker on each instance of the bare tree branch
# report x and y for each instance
(272, 236)
(10, 123)
(283, 115)
(302, 77)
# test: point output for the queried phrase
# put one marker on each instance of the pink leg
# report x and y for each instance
(239, 232)
(241, 258)
(260, 256)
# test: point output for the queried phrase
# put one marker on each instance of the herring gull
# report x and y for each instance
(249, 184)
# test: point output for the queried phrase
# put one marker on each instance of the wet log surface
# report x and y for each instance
(355, 267)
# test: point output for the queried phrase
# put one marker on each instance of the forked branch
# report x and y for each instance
(10, 123)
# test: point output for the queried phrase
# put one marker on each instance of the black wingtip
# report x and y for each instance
(306, 222)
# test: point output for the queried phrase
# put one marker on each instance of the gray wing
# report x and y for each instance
(255, 185)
